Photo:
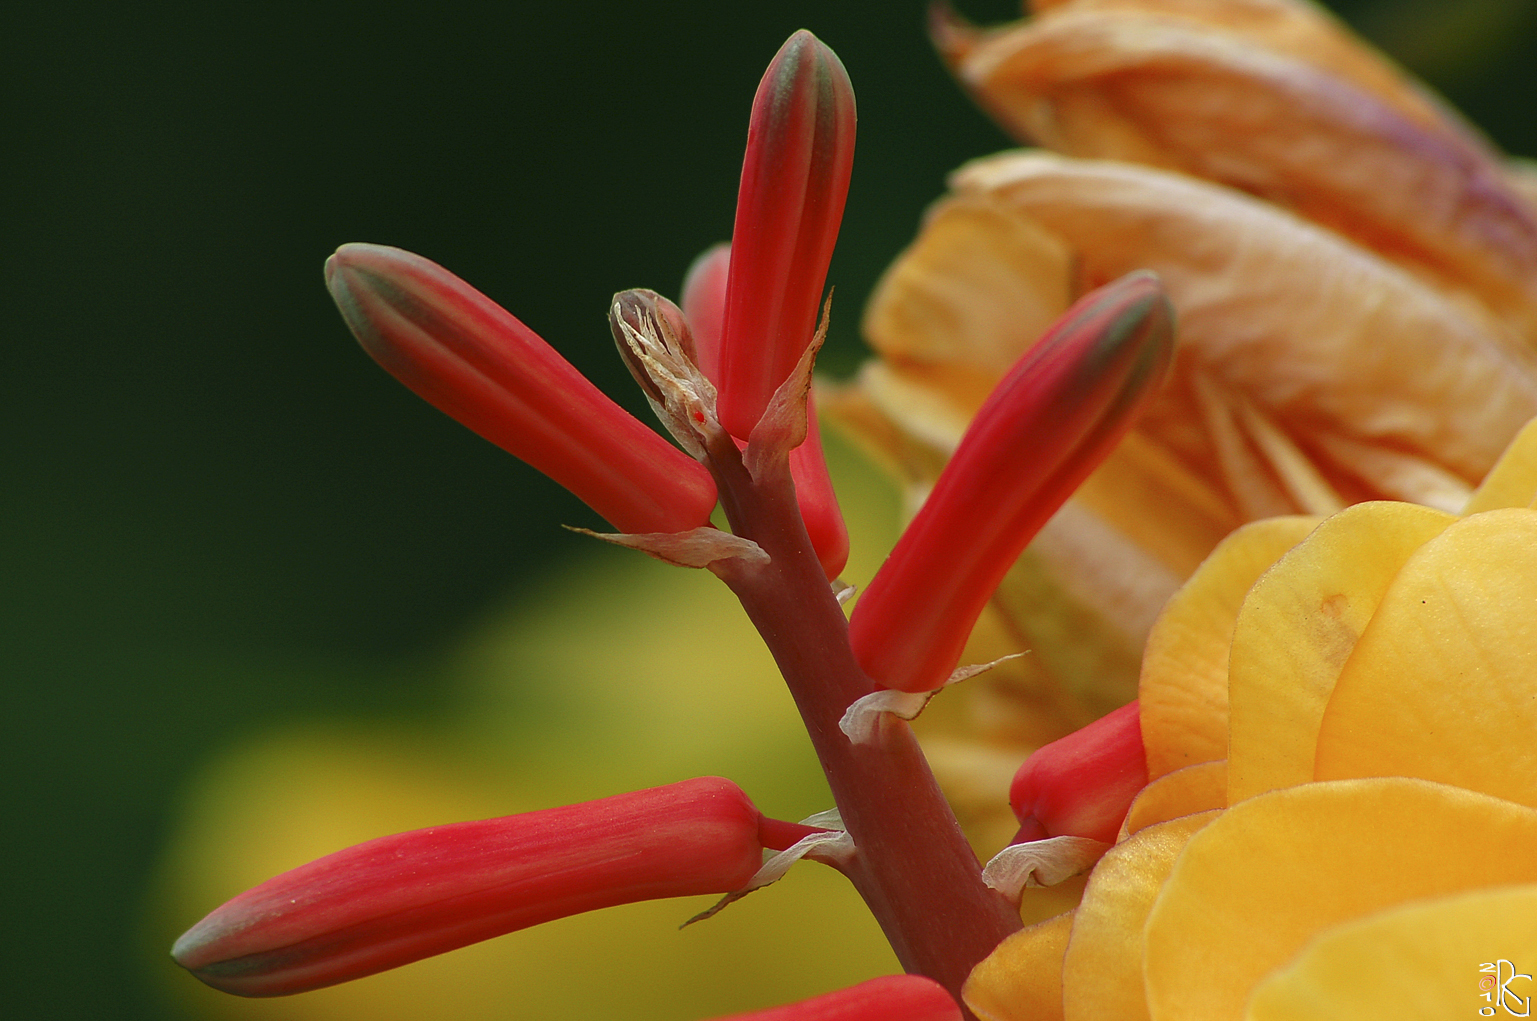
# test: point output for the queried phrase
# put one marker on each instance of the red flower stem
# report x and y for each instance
(913, 866)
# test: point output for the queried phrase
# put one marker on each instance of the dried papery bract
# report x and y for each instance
(400, 898)
(473, 360)
(1081, 785)
(657, 346)
(1048, 424)
(795, 178)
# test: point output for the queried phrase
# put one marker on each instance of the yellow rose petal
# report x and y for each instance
(1443, 683)
(1513, 480)
(1102, 969)
(1296, 629)
(1183, 688)
(1022, 979)
(1256, 884)
(1183, 792)
(1427, 960)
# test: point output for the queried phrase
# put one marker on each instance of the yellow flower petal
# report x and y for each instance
(1426, 960)
(1253, 887)
(1102, 969)
(1183, 688)
(1022, 979)
(1443, 682)
(1296, 629)
(1186, 791)
(1513, 480)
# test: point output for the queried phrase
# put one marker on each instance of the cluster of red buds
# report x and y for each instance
(729, 375)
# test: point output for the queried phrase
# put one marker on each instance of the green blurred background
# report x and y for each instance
(218, 514)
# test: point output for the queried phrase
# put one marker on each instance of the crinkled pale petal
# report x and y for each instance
(1320, 334)
(1143, 492)
(1173, 93)
(1426, 960)
(977, 288)
(1269, 874)
(1082, 598)
(1395, 474)
(1022, 979)
(1513, 482)
(927, 405)
(859, 412)
(1303, 31)
(1183, 689)
(1197, 788)
(1297, 628)
(1443, 682)
(1102, 969)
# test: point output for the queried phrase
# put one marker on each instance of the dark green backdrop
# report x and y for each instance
(216, 511)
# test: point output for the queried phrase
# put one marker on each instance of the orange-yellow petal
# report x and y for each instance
(1443, 683)
(1186, 791)
(1252, 888)
(1022, 979)
(1426, 960)
(1296, 629)
(1183, 688)
(1102, 969)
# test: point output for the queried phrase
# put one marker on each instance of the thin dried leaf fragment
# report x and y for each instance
(698, 547)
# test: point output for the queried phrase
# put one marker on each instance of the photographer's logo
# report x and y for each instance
(1494, 987)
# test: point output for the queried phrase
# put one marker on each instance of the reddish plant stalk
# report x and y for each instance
(913, 866)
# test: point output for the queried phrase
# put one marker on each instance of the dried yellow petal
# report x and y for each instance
(1284, 313)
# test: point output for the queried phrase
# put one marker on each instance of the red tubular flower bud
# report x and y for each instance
(1081, 785)
(472, 359)
(1047, 425)
(398, 899)
(795, 178)
(704, 305)
(889, 998)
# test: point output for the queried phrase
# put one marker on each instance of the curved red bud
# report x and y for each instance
(1082, 785)
(795, 178)
(1047, 425)
(889, 998)
(400, 898)
(472, 359)
(704, 304)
